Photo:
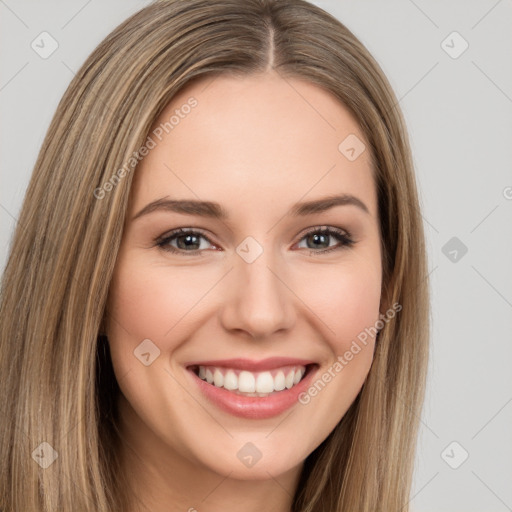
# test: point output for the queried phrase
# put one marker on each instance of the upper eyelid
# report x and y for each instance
(183, 231)
(322, 227)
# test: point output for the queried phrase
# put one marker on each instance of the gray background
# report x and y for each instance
(458, 112)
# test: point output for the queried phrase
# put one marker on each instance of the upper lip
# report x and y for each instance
(254, 366)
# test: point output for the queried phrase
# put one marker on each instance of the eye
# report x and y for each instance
(193, 241)
(321, 238)
(184, 240)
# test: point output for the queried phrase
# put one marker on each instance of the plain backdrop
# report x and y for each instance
(450, 65)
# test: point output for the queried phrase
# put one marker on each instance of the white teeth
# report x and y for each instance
(218, 378)
(289, 379)
(279, 383)
(264, 383)
(246, 382)
(230, 380)
(252, 384)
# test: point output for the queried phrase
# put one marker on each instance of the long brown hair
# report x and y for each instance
(57, 382)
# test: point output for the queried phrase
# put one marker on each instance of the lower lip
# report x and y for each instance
(255, 407)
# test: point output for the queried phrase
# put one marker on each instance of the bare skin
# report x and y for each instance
(256, 147)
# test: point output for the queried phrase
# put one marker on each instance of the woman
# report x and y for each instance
(187, 341)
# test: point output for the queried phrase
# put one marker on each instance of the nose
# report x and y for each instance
(258, 301)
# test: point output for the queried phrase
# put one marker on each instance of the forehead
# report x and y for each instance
(260, 135)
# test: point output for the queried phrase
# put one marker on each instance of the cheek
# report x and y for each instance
(149, 301)
(358, 304)
(346, 298)
(157, 303)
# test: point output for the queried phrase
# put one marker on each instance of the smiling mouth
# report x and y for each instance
(253, 384)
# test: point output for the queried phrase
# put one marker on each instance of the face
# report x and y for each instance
(221, 333)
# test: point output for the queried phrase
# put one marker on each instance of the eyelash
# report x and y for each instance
(343, 236)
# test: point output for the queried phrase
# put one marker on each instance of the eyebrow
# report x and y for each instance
(216, 211)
